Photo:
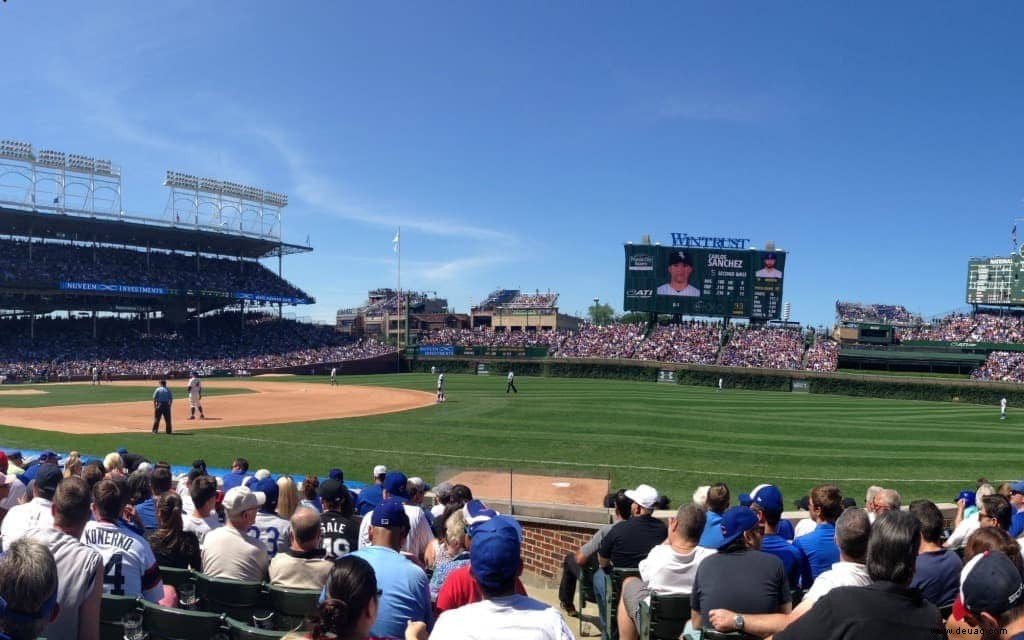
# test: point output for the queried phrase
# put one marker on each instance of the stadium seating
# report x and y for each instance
(665, 617)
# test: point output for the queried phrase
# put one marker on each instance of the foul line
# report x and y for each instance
(597, 465)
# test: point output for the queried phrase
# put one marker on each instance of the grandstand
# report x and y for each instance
(512, 310)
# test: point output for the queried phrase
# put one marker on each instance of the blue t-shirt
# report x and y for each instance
(785, 530)
(369, 498)
(712, 536)
(406, 591)
(777, 546)
(145, 511)
(818, 552)
(234, 479)
(937, 576)
(1017, 524)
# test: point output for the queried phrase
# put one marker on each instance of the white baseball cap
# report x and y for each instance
(240, 499)
(645, 495)
(379, 470)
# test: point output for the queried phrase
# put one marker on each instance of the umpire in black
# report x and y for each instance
(162, 400)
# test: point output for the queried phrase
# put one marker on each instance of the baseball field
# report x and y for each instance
(673, 437)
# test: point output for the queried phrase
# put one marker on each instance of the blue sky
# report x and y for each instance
(521, 144)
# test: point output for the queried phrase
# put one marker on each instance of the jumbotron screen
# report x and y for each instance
(704, 282)
(995, 280)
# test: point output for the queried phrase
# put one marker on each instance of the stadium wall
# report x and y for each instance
(873, 386)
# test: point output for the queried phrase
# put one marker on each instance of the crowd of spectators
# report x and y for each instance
(691, 342)
(607, 341)
(764, 347)
(823, 355)
(66, 348)
(487, 337)
(45, 265)
(883, 313)
(1001, 366)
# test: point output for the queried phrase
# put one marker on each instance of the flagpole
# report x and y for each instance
(398, 340)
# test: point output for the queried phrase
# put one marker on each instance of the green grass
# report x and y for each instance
(65, 394)
(673, 437)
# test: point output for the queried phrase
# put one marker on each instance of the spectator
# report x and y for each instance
(766, 502)
(288, 496)
(127, 557)
(992, 595)
(406, 595)
(456, 552)
(717, 504)
(302, 565)
(573, 561)
(994, 512)
(36, 514)
(818, 550)
(308, 493)
(419, 537)
(79, 568)
(227, 551)
(374, 493)
(886, 608)
(739, 577)
(273, 531)
(202, 519)
(937, 572)
(171, 544)
(338, 524)
(495, 561)
(670, 568)
(349, 609)
(238, 476)
(28, 584)
(968, 524)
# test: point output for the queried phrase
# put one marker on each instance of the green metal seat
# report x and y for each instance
(163, 623)
(238, 630)
(291, 606)
(112, 611)
(665, 617)
(175, 576)
(613, 589)
(235, 598)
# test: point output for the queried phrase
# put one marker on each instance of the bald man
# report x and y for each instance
(302, 565)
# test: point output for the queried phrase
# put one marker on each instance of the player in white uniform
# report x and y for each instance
(129, 566)
(440, 388)
(720, 384)
(195, 397)
(334, 376)
(95, 376)
(511, 385)
(1002, 409)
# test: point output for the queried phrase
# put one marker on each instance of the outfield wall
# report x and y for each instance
(863, 385)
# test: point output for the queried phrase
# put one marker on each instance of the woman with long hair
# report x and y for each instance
(455, 552)
(308, 493)
(287, 496)
(73, 465)
(172, 545)
(350, 606)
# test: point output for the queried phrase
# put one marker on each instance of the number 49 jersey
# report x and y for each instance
(129, 566)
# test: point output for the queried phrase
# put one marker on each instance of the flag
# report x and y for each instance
(1013, 234)
(397, 239)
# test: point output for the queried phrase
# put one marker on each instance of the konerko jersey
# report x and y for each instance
(273, 531)
(129, 566)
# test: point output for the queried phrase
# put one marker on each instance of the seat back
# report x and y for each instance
(112, 610)
(163, 623)
(238, 630)
(175, 576)
(711, 634)
(291, 606)
(235, 598)
(667, 617)
(613, 589)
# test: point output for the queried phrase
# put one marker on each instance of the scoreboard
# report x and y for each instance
(704, 282)
(995, 280)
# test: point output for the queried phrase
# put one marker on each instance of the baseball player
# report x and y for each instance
(720, 381)
(195, 397)
(162, 399)
(1002, 409)
(440, 388)
(334, 376)
(95, 376)
(511, 386)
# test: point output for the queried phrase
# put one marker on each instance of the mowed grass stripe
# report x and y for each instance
(674, 437)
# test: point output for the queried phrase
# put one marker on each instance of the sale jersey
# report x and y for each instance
(273, 531)
(340, 534)
(129, 566)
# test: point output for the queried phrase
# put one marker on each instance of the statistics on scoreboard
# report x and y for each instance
(704, 282)
(995, 280)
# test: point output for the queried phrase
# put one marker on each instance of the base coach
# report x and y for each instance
(162, 399)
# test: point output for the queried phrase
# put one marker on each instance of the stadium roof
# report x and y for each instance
(139, 232)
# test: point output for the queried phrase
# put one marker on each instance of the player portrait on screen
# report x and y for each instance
(680, 268)
(769, 270)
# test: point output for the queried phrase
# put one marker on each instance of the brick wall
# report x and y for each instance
(545, 545)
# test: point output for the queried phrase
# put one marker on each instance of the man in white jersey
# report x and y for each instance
(36, 514)
(95, 376)
(1002, 409)
(79, 567)
(273, 531)
(195, 397)
(202, 519)
(130, 568)
(440, 388)
(334, 376)
(511, 386)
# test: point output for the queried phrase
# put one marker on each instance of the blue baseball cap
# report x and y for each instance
(967, 496)
(336, 474)
(121, 451)
(735, 522)
(268, 488)
(1017, 487)
(767, 497)
(495, 556)
(476, 513)
(394, 484)
(390, 513)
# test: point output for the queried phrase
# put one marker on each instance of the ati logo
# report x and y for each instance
(639, 293)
